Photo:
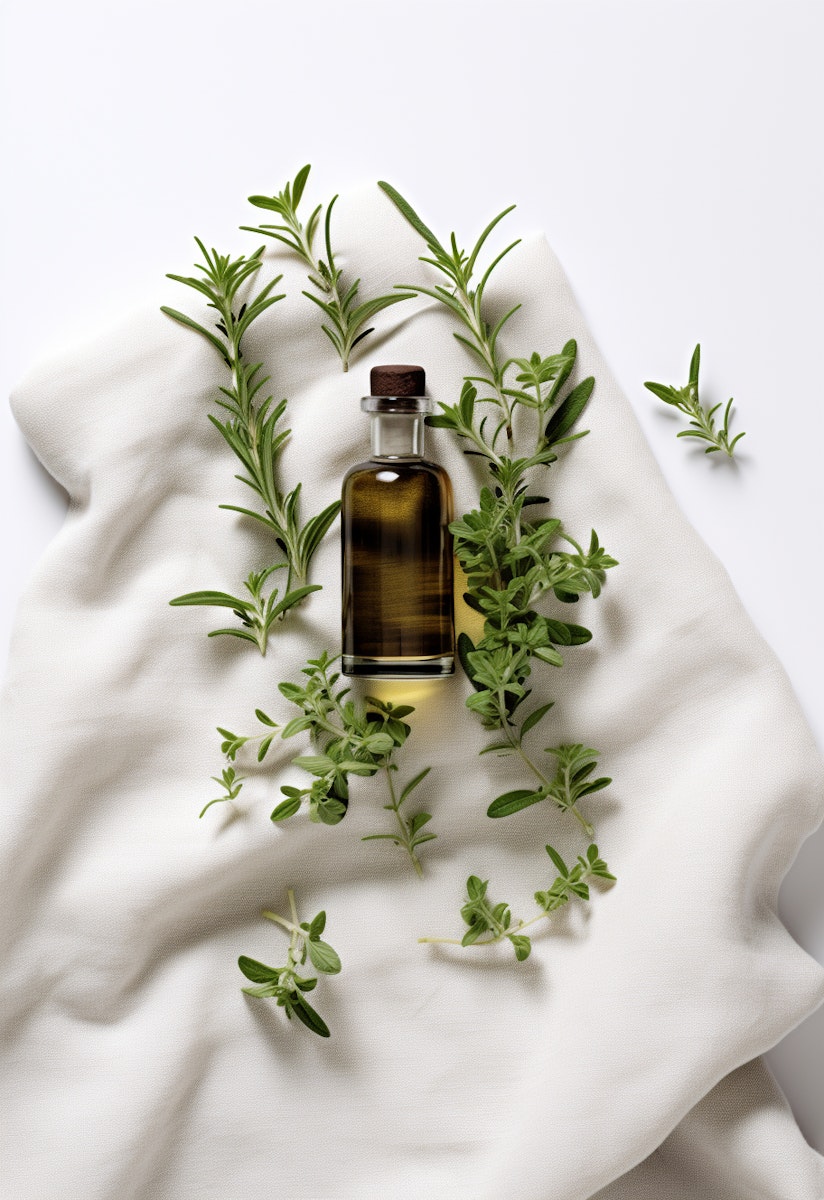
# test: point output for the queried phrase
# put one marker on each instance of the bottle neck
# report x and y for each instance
(397, 435)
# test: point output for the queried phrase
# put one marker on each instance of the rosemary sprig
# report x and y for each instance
(257, 615)
(251, 431)
(351, 739)
(336, 299)
(511, 560)
(482, 917)
(702, 420)
(286, 985)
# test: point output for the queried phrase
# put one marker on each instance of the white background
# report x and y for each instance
(672, 152)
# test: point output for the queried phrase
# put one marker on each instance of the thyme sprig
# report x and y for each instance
(287, 985)
(336, 298)
(511, 559)
(351, 739)
(252, 431)
(495, 920)
(702, 420)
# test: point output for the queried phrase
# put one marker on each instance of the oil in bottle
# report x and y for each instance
(398, 620)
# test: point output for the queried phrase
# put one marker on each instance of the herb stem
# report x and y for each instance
(493, 941)
(287, 925)
(515, 743)
(404, 832)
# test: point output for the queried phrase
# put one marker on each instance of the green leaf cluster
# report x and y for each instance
(349, 738)
(702, 420)
(287, 985)
(512, 558)
(253, 433)
(231, 783)
(481, 917)
(572, 780)
(337, 300)
(257, 614)
(572, 881)
(487, 924)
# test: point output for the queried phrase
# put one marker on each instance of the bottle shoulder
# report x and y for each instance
(401, 466)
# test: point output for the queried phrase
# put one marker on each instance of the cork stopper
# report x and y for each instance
(397, 380)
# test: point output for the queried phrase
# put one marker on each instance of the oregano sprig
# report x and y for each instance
(336, 299)
(252, 431)
(702, 420)
(488, 924)
(574, 765)
(231, 783)
(287, 985)
(350, 739)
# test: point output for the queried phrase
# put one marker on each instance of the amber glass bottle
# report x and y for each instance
(397, 549)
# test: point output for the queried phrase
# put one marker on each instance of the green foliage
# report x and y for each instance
(258, 614)
(513, 559)
(572, 881)
(336, 300)
(349, 739)
(570, 783)
(488, 923)
(702, 420)
(231, 783)
(286, 985)
(252, 432)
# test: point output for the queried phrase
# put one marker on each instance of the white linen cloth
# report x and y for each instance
(134, 1066)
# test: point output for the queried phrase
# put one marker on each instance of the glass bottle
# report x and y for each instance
(398, 620)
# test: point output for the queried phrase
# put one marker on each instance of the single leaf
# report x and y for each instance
(522, 945)
(323, 957)
(534, 717)
(312, 1020)
(286, 808)
(512, 802)
(408, 211)
(413, 783)
(318, 925)
(214, 600)
(567, 413)
(561, 866)
(258, 972)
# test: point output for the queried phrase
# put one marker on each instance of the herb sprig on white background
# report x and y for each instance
(701, 419)
(346, 321)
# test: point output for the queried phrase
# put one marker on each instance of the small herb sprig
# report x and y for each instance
(336, 299)
(574, 765)
(483, 918)
(286, 985)
(511, 561)
(352, 739)
(702, 420)
(257, 615)
(231, 783)
(252, 432)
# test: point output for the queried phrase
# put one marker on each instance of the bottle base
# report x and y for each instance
(437, 667)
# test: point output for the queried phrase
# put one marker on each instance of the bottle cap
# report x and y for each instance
(399, 380)
(397, 388)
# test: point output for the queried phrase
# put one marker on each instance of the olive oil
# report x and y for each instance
(398, 618)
